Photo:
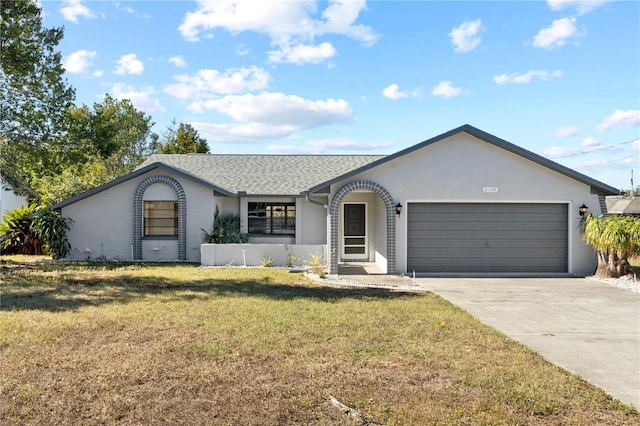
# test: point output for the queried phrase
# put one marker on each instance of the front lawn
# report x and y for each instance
(172, 344)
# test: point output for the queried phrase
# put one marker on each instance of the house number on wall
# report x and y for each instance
(490, 189)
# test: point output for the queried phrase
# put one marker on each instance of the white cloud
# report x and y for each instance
(281, 20)
(129, 64)
(588, 145)
(567, 131)
(589, 142)
(127, 9)
(393, 92)
(72, 9)
(98, 73)
(581, 6)
(141, 99)
(322, 146)
(301, 53)
(291, 25)
(465, 37)
(242, 50)
(208, 83)
(446, 89)
(558, 151)
(557, 34)
(241, 133)
(340, 17)
(79, 61)
(178, 61)
(526, 77)
(278, 109)
(620, 118)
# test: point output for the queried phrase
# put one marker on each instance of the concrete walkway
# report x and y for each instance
(582, 325)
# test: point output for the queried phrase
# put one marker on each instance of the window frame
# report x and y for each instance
(263, 211)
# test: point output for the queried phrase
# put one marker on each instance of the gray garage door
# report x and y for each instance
(483, 237)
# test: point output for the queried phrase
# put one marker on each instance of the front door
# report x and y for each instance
(354, 232)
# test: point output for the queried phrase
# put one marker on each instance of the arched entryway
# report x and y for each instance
(334, 214)
(138, 214)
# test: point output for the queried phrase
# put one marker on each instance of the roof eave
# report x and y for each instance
(595, 185)
(134, 174)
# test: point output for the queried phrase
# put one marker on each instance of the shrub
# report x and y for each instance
(32, 230)
(317, 265)
(615, 239)
(17, 233)
(225, 230)
(51, 228)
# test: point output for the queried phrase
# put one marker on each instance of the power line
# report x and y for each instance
(595, 150)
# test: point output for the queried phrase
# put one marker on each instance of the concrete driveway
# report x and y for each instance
(582, 325)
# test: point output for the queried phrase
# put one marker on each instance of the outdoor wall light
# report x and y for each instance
(398, 208)
(583, 209)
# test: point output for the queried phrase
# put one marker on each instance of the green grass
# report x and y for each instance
(173, 344)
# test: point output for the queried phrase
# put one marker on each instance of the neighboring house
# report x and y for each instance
(623, 206)
(9, 200)
(461, 202)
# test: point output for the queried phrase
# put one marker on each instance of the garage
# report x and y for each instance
(487, 237)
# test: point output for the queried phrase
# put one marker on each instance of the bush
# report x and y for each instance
(225, 230)
(317, 265)
(51, 228)
(17, 233)
(32, 230)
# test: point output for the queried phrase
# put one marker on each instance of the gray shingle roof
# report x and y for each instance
(263, 174)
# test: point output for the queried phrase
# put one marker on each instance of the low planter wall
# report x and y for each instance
(252, 254)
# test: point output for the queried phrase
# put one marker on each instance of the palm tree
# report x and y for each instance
(615, 238)
(225, 230)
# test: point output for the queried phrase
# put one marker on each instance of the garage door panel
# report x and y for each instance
(488, 225)
(528, 217)
(497, 252)
(480, 243)
(487, 237)
(487, 234)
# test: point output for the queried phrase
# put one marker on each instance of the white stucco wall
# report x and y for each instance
(311, 222)
(253, 254)
(458, 168)
(9, 201)
(103, 223)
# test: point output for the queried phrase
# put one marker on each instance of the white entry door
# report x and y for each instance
(354, 232)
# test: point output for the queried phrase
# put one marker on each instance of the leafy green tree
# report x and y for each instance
(104, 142)
(71, 181)
(183, 140)
(615, 239)
(34, 96)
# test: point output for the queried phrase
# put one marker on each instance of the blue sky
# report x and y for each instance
(558, 77)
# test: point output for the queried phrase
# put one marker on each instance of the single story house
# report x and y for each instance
(9, 200)
(623, 206)
(462, 202)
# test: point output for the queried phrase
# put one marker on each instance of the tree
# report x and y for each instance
(615, 238)
(34, 96)
(184, 140)
(102, 143)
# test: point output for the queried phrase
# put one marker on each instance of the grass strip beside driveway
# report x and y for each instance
(133, 344)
